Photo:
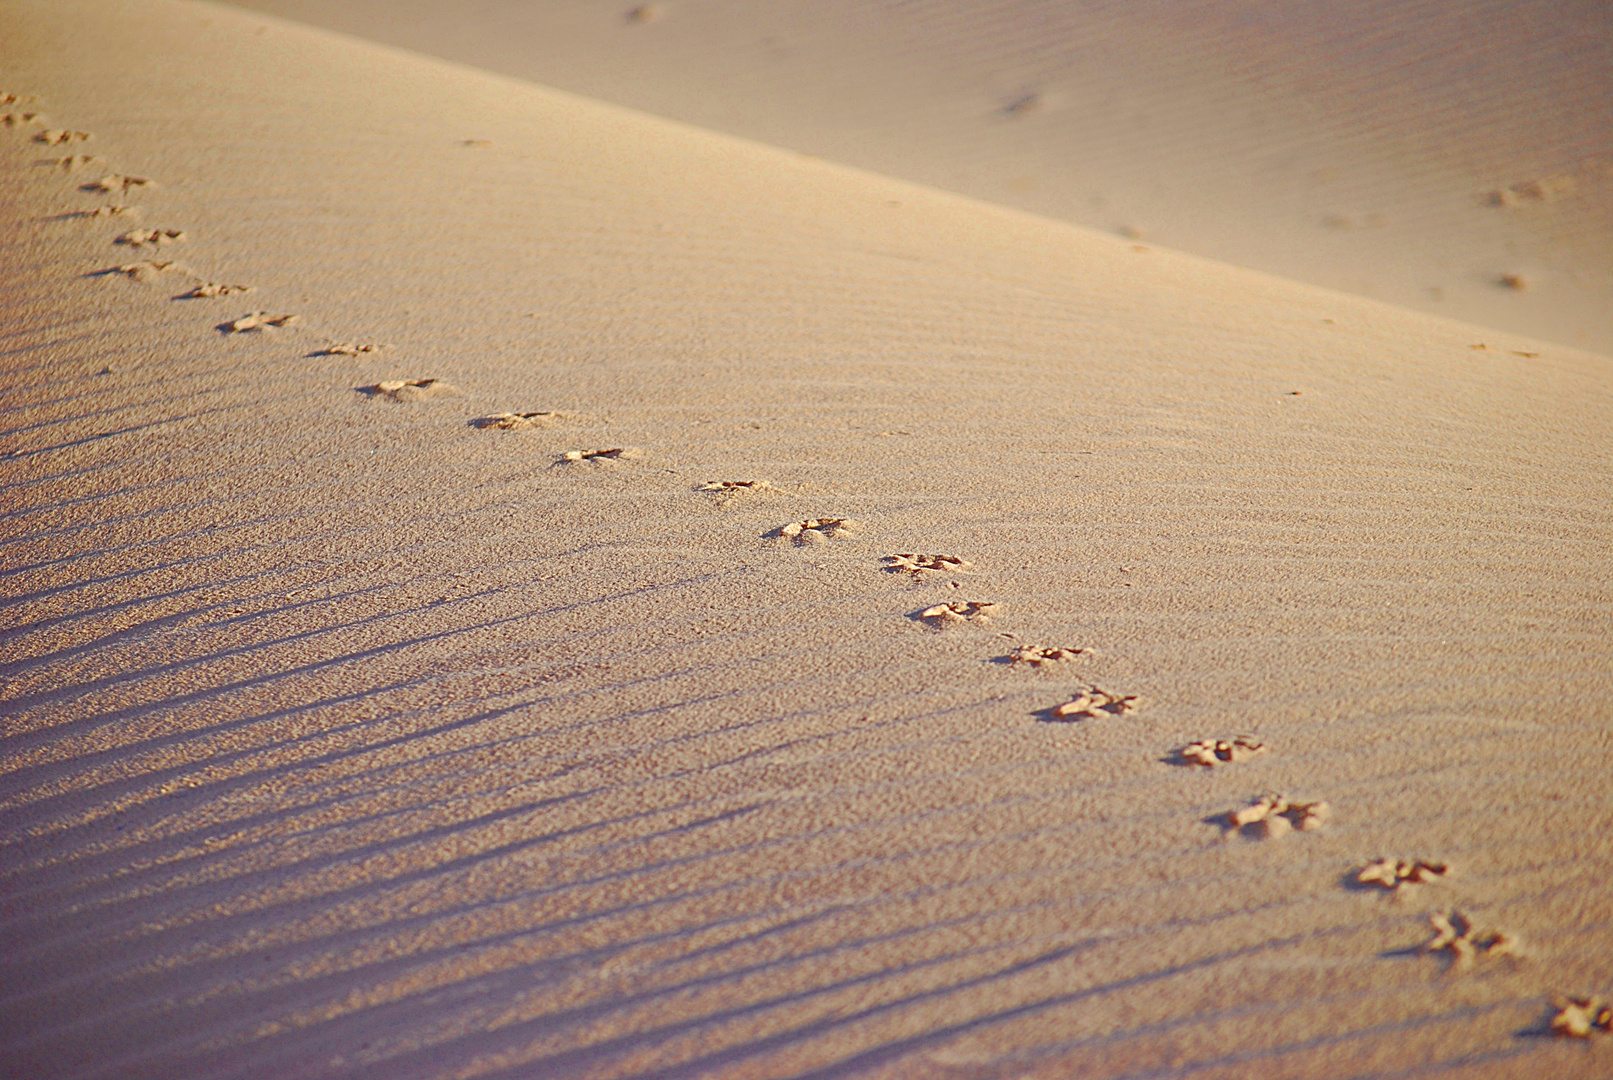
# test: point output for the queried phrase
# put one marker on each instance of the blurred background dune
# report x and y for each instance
(1451, 157)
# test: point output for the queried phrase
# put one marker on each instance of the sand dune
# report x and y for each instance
(1451, 156)
(350, 732)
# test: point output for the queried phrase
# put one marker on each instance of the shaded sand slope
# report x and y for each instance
(344, 737)
(1358, 146)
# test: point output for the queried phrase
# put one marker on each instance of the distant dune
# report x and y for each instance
(1450, 156)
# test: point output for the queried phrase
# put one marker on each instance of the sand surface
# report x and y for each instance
(1421, 152)
(348, 733)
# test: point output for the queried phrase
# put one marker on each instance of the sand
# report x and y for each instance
(350, 733)
(1450, 156)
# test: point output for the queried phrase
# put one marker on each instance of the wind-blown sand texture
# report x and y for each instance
(1421, 152)
(345, 738)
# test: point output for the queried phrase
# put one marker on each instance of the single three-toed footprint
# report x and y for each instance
(74, 161)
(15, 119)
(726, 491)
(256, 322)
(115, 183)
(958, 612)
(153, 237)
(1581, 1017)
(147, 270)
(105, 211)
(1466, 941)
(527, 420)
(1398, 874)
(919, 565)
(208, 290)
(1043, 656)
(409, 389)
(1213, 752)
(346, 348)
(614, 455)
(1091, 703)
(60, 137)
(1277, 815)
(814, 530)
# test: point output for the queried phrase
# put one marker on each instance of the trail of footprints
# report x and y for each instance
(1267, 816)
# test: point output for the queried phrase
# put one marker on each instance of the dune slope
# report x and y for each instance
(1420, 152)
(354, 728)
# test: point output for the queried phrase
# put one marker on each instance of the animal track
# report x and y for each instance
(154, 237)
(1091, 703)
(958, 612)
(147, 271)
(15, 99)
(1546, 189)
(408, 389)
(115, 183)
(1038, 656)
(1578, 1017)
(1212, 752)
(76, 161)
(918, 565)
(814, 530)
(210, 289)
(60, 137)
(1397, 873)
(1023, 105)
(733, 489)
(1455, 933)
(347, 348)
(598, 457)
(258, 321)
(19, 119)
(518, 421)
(106, 211)
(1277, 816)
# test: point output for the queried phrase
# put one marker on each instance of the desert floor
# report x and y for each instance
(356, 724)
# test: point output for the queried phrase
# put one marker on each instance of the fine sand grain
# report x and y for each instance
(343, 737)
